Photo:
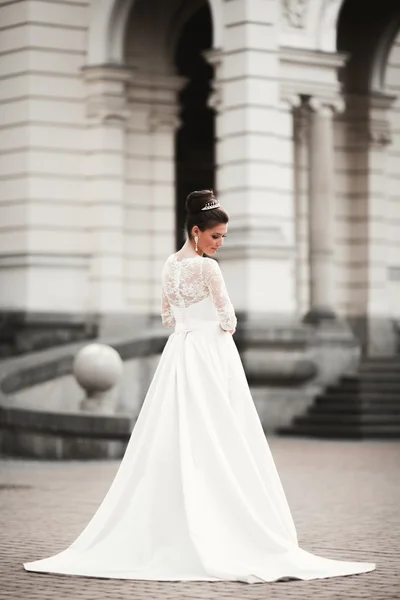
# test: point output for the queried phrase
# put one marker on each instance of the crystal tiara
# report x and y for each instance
(210, 205)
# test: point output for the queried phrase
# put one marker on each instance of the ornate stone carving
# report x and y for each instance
(215, 98)
(163, 117)
(379, 130)
(367, 119)
(292, 99)
(104, 111)
(214, 58)
(107, 93)
(379, 134)
(295, 12)
(326, 106)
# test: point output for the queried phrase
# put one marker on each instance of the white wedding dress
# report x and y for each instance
(197, 495)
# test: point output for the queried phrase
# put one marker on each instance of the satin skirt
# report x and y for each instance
(197, 495)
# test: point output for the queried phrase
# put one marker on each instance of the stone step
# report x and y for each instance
(348, 419)
(382, 359)
(351, 386)
(341, 431)
(345, 397)
(355, 407)
(386, 377)
(379, 377)
(375, 368)
(360, 405)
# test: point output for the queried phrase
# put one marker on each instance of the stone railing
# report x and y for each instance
(79, 429)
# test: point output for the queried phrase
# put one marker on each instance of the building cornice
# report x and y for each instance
(313, 58)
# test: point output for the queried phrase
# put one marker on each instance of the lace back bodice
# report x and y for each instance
(187, 283)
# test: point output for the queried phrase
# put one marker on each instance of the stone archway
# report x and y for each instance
(310, 25)
(194, 142)
(108, 25)
(363, 137)
(133, 105)
(377, 27)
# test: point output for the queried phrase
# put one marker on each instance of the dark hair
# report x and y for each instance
(204, 219)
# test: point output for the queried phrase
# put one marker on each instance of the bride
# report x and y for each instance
(197, 495)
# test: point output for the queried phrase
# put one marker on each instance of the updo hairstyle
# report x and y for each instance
(204, 219)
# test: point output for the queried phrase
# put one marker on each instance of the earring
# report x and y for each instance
(196, 239)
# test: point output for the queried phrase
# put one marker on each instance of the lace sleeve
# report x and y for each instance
(167, 316)
(216, 285)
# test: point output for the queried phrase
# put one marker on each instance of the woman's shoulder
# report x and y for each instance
(212, 262)
(210, 266)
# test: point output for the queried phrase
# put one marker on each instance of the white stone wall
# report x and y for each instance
(392, 81)
(255, 162)
(43, 250)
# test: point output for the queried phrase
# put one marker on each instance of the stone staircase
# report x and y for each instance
(363, 405)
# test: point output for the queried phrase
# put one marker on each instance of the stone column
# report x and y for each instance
(107, 114)
(382, 336)
(254, 150)
(164, 121)
(369, 135)
(300, 151)
(150, 180)
(321, 209)
(254, 164)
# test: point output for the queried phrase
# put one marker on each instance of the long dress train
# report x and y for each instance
(197, 495)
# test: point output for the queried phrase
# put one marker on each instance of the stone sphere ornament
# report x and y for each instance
(98, 368)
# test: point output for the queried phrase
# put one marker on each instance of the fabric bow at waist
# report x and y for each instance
(197, 325)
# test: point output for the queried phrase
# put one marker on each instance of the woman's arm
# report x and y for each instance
(167, 316)
(219, 294)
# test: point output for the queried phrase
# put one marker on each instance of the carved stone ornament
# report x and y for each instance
(106, 99)
(163, 118)
(379, 134)
(326, 106)
(214, 58)
(376, 133)
(105, 110)
(295, 12)
(214, 100)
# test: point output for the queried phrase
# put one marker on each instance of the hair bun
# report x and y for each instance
(196, 200)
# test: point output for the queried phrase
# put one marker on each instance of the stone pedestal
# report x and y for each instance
(289, 363)
(98, 369)
(278, 367)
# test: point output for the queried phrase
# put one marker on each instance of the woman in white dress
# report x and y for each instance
(197, 495)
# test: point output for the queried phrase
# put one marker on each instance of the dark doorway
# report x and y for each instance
(359, 34)
(194, 141)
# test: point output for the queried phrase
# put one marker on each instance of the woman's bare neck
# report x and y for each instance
(187, 251)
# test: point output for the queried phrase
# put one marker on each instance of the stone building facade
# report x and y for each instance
(113, 110)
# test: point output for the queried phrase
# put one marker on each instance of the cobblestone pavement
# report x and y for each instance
(345, 499)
